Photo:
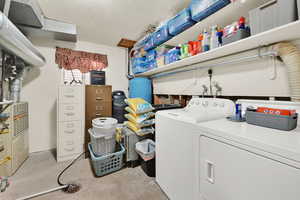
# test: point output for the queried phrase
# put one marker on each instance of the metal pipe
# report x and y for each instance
(6, 7)
(238, 60)
(44, 192)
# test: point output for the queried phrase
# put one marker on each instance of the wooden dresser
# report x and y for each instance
(98, 103)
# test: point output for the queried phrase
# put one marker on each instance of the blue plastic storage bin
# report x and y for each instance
(161, 36)
(201, 9)
(140, 87)
(172, 56)
(152, 64)
(139, 65)
(149, 44)
(151, 55)
(180, 22)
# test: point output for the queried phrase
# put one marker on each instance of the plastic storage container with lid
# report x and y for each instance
(161, 35)
(104, 126)
(272, 14)
(172, 55)
(202, 9)
(151, 55)
(139, 65)
(149, 44)
(180, 22)
(102, 144)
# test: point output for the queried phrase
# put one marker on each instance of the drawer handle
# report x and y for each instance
(70, 125)
(99, 91)
(98, 115)
(70, 108)
(210, 170)
(69, 142)
(69, 149)
(70, 114)
(70, 132)
(2, 148)
(69, 96)
(99, 98)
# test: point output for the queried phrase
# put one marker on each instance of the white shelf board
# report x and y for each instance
(6, 102)
(222, 18)
(286, 32)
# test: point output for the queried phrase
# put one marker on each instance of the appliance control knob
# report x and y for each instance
(215, 104)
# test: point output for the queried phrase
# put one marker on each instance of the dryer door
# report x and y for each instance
(231, 173)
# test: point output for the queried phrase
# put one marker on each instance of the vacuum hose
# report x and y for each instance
(291, 57)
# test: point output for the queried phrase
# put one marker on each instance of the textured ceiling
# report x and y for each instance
(107, 21)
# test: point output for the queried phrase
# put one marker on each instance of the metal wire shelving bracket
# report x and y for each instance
(259, 55)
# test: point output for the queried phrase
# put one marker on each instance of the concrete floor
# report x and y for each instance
(39, 173)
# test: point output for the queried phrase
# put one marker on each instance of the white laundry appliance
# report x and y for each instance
(240, 161)
(177, 145)
(217, 159)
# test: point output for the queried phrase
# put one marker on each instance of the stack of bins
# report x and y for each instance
(106, 157)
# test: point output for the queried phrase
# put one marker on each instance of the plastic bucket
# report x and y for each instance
(104, 126)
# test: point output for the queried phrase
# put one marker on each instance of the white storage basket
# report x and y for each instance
(102, 144)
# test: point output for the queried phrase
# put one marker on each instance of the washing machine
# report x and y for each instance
(240, 161)
(177, 145)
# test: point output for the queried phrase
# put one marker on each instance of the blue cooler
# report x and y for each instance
(161, 36)
(201, 9)
(141, 88)
(180, 22)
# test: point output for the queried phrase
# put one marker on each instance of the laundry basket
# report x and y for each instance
(102, 144)
(109, 163)
(104, 125)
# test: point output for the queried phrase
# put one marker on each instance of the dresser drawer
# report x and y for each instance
(103, 109)
(98, 93)
(72, 129)
(70, 112)
(69, 146)
(71, 94)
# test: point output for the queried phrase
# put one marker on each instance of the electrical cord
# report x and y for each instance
(65, 169)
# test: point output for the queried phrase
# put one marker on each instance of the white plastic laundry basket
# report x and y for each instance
(104, 126)
(102, 144)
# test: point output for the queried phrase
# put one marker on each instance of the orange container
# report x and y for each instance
(274, 111)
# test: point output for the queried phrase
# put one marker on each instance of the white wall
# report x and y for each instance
(260, 77)
(41, 91)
